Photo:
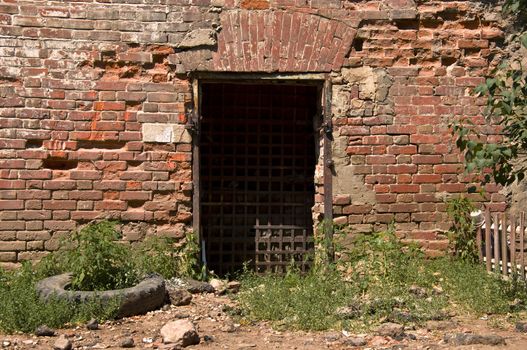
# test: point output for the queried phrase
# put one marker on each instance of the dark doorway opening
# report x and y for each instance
(258, 153)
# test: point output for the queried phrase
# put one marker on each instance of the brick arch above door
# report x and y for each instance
(281, 41)
(272, 41)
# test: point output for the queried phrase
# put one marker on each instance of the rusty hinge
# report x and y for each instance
(192, 121)
(327, 126)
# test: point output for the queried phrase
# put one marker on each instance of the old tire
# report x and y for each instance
(145, 296)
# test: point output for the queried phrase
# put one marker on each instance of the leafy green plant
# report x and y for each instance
(324, 246)
(378, 279)
(506, 92)
(462, 234)
(189, 260)
(96, 260)
(156, 255)
(515, 7)
(22, 310)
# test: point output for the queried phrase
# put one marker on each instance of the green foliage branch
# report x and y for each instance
(99, 261)
(506, 107)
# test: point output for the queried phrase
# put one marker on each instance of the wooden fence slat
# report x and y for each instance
(496, 243)
(479, 233)
(522, 244)
(504, 260)
(513, 245)
(488, 252)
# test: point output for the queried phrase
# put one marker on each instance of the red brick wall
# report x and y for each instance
(399, 143)
(84, 86)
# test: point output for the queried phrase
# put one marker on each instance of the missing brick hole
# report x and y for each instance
(110, 54)
(472, 51)
(34, 143)
(451, 14)
(431, 23)
(159, 57)
(100, 144)
(136, 204)
(407, 24)
(133, 45)
(134, 163)
(149, 65)
(59, 164)
(358, 43)
(474, 24)
(163, 192)
(9, 80)
(133, 103)
(130, 72)
(499, 42)
(85, 63)
(102, 64)
(448, 61)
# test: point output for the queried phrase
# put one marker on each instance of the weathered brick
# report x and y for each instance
(32, 235)
(135, 195)
(12, 225)
(85, 175)
(59, 225)
(60, 204)
(111, 205)
(35, 174)
(11, 204)
(136, 175)
(12, 184)
(85, 195)
(6, 246)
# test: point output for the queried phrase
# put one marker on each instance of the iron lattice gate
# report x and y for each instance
(257, 175)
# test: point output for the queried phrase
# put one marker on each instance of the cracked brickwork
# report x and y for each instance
(94, 94)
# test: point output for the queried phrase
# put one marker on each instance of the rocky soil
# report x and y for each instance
(204, 321)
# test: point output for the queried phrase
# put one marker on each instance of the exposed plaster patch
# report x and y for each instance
(161, 133)
(165, 133)
(198, 38)
(345, 180)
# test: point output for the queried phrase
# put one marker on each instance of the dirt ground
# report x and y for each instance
(218, 331)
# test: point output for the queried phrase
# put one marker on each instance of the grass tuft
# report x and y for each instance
(378, 280)
(23, 311)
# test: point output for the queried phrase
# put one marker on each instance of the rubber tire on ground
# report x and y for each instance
(147, 295)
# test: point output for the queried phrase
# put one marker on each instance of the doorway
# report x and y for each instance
(258, 151)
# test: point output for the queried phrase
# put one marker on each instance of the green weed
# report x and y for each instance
(99, 261)
(23, 311)
(462, 235)
(379, 279)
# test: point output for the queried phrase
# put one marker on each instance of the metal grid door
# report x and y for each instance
(257, 175)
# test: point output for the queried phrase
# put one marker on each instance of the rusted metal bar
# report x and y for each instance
(275, 250)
